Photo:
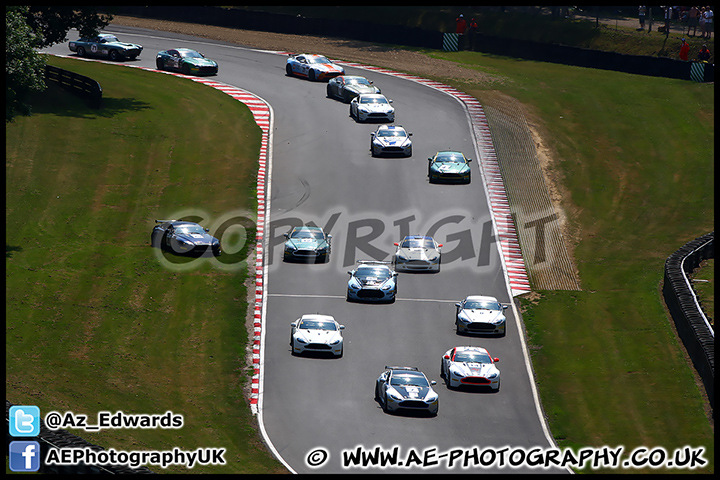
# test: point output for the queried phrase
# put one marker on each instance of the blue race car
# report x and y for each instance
(105, 45)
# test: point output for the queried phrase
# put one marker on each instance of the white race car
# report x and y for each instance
(480, 314)
(372, 106)
(316, 333)
(417, 253)
(390, 140)
(313, 67)
(405, 388)
(471, 366)
(372, 281)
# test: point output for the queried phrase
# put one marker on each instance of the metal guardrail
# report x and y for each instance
(81, 85)
(693, 328)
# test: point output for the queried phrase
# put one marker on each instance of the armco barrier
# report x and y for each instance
(693, 328)
(81, 85)
(418, 37)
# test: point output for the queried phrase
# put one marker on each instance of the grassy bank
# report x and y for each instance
(93, 321)
(635, 156)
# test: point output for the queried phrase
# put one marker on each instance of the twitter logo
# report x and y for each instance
(24, 421)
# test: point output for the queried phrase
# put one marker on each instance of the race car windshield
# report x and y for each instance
(317, 325)
(318, 60)
(392, 133)
(472, 357)
(475, 305)
(409, 379)
(368, 100)
(316, 234)
(190, 54)
(108, 39)
(373, 272)
(190, 229)
(450, 157)
(357, 81)
(417, 243)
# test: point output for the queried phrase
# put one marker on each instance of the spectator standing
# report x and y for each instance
(704, 54)
(472, 30)
(684, 50)
(693, 20)
(460, 28)
(708, 22)
(701, 21)
(641, 16)
(460, 25)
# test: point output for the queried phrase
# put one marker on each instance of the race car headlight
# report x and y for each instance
(433, 258)
(432, 398)
(301, 340)
(394, 395)
(335, 342)
(499, 320)
(463, 318)
(402, 257)
(493, 375)
(354, 285)
(387, 286)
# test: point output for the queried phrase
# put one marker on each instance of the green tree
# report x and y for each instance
(29, 28)
(24, 67)
(54, 22)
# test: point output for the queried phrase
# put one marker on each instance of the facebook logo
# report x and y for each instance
(24, 456)
(24, 421)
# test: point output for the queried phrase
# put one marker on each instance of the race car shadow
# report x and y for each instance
(407, 413)
(316, 355)
(472, 389)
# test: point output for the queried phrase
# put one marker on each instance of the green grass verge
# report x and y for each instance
(93, 321)
(636, 155)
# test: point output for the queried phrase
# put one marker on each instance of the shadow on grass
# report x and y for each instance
(9, 249)
(57, 101)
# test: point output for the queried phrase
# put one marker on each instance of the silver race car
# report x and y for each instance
(372, 107)
(405, 388)
(372, 281)
(470, 366)
(390, 140)
(480, 314)
(316, 333)
(347, 87)
(416, 253)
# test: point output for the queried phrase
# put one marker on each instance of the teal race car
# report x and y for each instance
(449, 166)
(305, 244)
(186, 61)
(105, 45)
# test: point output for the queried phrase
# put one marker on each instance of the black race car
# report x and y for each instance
(184, 238)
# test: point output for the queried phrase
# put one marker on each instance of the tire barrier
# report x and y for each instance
(49, 439)
(418, 37)
(694, 329)
(80, 85)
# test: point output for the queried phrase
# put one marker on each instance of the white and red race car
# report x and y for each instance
(470, 366)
